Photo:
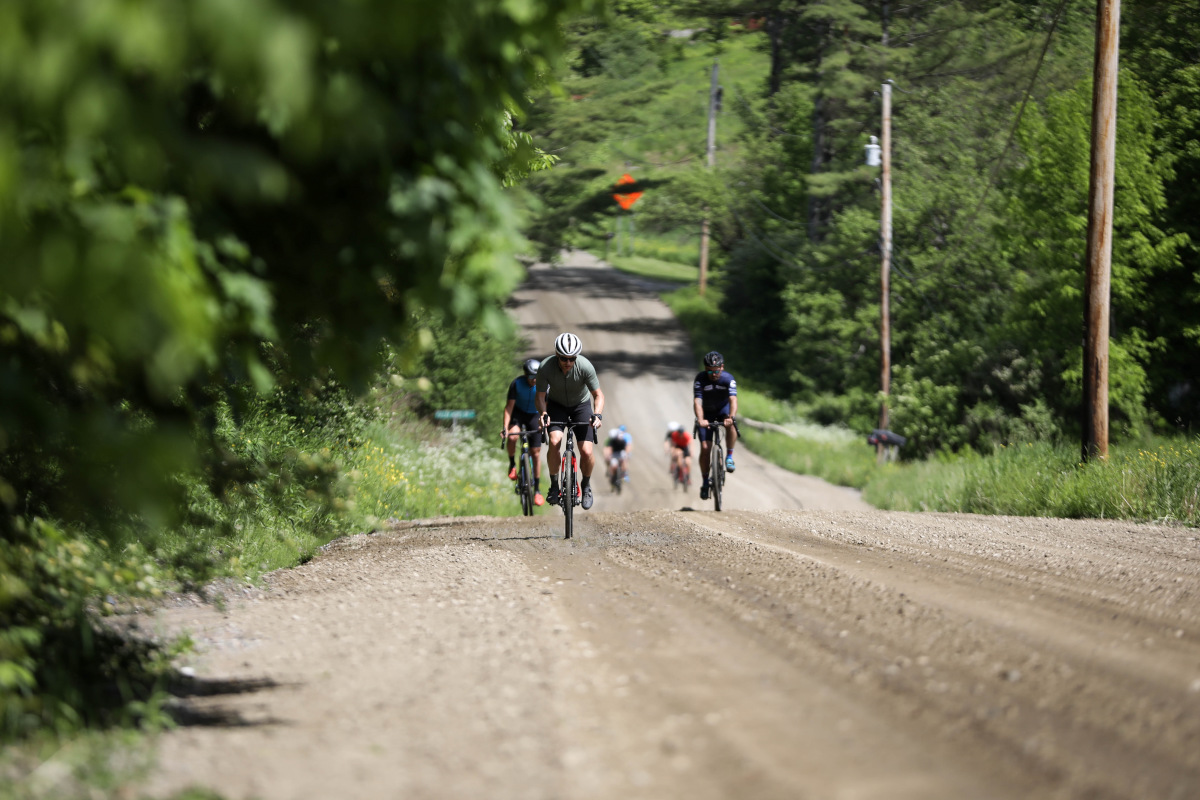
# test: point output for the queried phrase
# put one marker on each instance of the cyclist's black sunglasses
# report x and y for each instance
(566, 360)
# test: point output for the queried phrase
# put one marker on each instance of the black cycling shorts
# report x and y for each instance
(528, 422)
(560, 415)
(701, 434)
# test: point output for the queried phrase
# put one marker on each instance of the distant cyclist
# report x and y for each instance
(714, 400)
(678, 444)
(617, 448)
(520, 413)
(568, 390)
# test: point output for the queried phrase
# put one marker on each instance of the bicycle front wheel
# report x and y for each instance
(569, 502)
(526, 487)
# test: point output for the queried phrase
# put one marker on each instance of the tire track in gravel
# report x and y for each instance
(973, 661)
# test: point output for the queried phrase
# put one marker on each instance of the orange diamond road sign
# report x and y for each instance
(626, 199)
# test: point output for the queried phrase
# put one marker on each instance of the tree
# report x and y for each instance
(1045, 235)
(186, 189)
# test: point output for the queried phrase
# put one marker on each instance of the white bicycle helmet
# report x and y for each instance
(568, 345)
(674, 426)
(613, 433)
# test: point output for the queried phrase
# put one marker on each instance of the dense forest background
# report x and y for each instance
(990, 152)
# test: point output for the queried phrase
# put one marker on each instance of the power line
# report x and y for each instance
(1020, 112)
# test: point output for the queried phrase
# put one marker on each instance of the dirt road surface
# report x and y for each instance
(796, 645)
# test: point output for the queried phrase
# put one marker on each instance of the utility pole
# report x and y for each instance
(885, 226)
(711, 153)
(1099, 243)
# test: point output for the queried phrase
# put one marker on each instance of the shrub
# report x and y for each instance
(60, 667)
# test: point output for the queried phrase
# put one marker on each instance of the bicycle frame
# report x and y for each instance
(568, 474)
(716, 463)
(524, 487)
(682, 473)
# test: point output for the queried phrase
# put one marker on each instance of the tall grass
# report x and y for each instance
(398, 476)
(1157, 481)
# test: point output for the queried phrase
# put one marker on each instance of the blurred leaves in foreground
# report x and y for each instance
(201, 201)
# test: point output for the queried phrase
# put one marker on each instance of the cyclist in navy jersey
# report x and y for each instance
(520, 413)
(714, 400)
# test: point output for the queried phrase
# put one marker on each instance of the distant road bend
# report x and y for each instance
(797, 645)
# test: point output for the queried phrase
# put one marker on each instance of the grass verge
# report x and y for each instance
(656, 269)
(1155, 480)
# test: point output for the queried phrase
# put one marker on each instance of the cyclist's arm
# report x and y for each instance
(539, 402)
(732, 406)
(597, 401)
(508, 409)
(698, 409)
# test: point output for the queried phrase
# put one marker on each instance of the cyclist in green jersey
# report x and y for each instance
(568, 391)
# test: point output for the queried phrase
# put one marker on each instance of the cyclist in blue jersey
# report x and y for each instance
(520, 413)
(715, 400)
(617, 449)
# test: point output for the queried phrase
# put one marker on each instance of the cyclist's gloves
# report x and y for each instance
(596, 419)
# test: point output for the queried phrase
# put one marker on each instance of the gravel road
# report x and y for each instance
(796, 645)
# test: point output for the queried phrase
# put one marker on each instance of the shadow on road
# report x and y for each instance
(184, 690)
(671, 359)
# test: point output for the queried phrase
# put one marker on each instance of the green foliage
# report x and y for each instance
(1150, 482)
(60, 667)
(650, 122)
(201, 204)
(469, 366)
(1046, 229)
(429, 475)
(182, 186)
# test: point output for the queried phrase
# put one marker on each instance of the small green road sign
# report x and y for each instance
(465, 413)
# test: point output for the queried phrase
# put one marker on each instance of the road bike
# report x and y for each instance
(569, 493)
(716, 464)
(525, 476)
(681, 474)
(616, 477)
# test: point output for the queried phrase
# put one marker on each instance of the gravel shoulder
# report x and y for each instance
(685, 654)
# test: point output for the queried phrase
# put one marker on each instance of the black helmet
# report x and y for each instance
(714, 359)
(531, 367)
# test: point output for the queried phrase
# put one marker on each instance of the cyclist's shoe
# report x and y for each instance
(553, 497)
(512, 474)
(704, 492)
(729, 467)
(538, 500)
(587, 497)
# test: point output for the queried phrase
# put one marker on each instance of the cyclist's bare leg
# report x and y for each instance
(536, 454)
(587, 458)
(705, 450)
(512, 440)
(552, 452)
(731, 435)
